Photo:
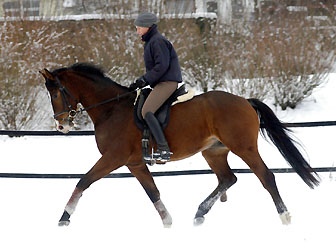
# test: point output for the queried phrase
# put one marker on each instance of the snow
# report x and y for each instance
(117, 214)
(110, 16)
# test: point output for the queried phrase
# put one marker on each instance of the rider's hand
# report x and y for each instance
(139, 83)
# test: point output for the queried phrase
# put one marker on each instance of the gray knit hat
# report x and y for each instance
(146, 20)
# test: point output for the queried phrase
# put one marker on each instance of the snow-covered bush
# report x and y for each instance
(25, 48)
(294, 58)
(282, 60)
(201, 63)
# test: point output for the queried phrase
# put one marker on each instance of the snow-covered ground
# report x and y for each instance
(116, 213)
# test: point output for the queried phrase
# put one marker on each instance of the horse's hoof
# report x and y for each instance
(199, 221)
(65, 219)
(63, 223)
(167, 222)
(285, 218)
(167, 225)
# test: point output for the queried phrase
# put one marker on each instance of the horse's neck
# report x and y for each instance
(99, 93)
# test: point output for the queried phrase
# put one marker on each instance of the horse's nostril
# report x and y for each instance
(60, 127)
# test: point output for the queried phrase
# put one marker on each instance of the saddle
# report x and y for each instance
(162, 115)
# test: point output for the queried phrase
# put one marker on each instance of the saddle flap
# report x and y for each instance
(162, 114)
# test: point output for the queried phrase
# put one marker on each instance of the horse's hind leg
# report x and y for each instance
(145, 178)
(216, 157)
(252, 158)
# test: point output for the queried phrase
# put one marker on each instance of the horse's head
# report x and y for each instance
(63, 102)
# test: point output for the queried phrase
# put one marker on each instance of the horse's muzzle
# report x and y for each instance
(64, 128)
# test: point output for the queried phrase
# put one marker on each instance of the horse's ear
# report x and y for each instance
(47, 74)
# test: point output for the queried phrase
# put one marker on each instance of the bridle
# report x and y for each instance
(68, 109)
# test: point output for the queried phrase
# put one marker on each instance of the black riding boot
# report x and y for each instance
(163, 152)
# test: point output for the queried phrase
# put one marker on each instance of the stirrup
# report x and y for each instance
(162, 155)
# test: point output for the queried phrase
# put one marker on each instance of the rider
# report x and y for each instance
(163, 73)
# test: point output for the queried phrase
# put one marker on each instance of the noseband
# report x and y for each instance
(66, 104)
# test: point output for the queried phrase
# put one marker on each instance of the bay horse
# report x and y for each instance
(213, 123)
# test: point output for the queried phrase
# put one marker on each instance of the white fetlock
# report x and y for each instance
(285, 218)
(164, 214)
(72, 203)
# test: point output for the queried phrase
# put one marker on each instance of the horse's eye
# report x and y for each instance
(54, 96)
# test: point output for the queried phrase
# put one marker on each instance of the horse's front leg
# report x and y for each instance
(70, 207)
(145, 178)
(103, 167)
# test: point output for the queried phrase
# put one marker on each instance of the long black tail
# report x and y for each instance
(278, 134)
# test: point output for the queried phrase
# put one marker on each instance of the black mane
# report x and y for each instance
(86, 68)
(89, 70)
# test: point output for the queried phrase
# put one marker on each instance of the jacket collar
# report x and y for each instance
(152, 31)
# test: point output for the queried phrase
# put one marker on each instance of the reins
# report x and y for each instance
(104, 102)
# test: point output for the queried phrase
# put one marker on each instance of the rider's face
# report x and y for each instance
(141, 30)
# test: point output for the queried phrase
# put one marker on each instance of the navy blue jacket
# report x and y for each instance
(160, 57)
